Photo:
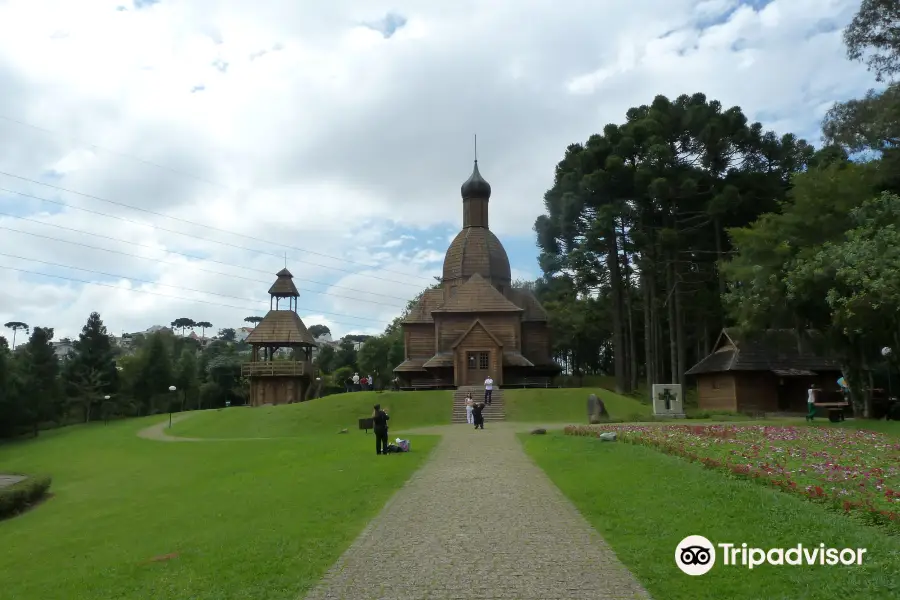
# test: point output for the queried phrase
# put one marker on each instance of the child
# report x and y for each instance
(469, 402)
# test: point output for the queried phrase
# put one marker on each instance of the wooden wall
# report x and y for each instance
(536, 342)
(716, 391)
(757, 391)
(478, 340)
(506, 328)
(419, 339)
(277, 390)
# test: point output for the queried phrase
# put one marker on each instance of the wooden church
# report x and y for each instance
(275, 379)
(476, 324)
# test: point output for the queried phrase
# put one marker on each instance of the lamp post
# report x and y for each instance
(172, 389)
(886, 353)
(105, 409)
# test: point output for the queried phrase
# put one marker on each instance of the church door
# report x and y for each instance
(478, 364)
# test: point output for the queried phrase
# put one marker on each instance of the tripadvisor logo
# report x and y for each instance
(696, 555)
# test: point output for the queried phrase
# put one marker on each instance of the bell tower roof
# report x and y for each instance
(284, 286)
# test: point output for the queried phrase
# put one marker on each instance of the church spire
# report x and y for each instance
(476, 193)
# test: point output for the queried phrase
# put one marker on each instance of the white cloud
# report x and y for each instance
(307, 132)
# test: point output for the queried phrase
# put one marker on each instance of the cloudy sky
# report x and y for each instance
(159, 159)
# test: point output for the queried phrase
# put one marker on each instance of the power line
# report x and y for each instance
(122, 204)
(174, 287)
(166, 262)
(192, 236)
(155, 248)
(116, 152)
(115, 287)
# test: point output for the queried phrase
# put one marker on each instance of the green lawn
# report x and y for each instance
(258, 520)
(644, 502)
(326, 415)
(568, 405)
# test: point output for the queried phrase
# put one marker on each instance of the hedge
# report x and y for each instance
(19, 496)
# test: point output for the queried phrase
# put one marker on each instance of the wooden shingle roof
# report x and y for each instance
(284, 286)
(477, 295)
(476, 250)
(780, 350)
(411, 364)
(282, 327)
(421, 312)
(527, 300)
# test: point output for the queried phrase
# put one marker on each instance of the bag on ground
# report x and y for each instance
(403, 444)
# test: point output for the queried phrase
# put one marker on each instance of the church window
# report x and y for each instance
(483, 360)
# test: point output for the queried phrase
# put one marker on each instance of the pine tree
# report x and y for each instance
(155, 375)
(40, 379)
(91, 370)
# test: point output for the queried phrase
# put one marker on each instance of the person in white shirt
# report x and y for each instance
(356, 387)
(488, 389)
(469, 402)
(811, 403)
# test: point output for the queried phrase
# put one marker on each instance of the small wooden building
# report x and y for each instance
(476, 324)
(769, 372)
(276, 380)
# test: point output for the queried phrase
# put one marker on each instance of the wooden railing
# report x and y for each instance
(276, 368)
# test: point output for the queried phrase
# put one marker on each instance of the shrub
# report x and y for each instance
(19, 496)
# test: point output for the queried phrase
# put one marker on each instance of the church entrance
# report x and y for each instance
(478, 365)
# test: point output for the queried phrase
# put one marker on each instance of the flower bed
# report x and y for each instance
(853, 470)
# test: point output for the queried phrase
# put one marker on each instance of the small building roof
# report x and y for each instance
(441, 359)
(411, 364)
(477, 295)
(783, 351)
(284, 286)
(281, 328)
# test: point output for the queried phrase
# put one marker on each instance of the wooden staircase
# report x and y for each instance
(492, 412)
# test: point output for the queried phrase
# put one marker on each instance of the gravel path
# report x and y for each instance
(158, 432)
(479, 520)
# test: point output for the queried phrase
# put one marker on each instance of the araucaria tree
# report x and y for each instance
(184, 323)
(16, 326)
(637, 217)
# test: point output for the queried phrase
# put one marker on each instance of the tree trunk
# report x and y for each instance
(649, 360)
(673, 333)
(659, 344)
(719, 258)
(629, 312)
(679, 335)
(615, 279)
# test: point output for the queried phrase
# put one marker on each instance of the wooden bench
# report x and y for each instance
(835, 410)
(530, 382)
(427, 384)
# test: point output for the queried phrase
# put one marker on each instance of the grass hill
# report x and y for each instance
(326, 415)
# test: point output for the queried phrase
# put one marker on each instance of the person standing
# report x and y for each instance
(356, 382)
(811, 403)
(488, 389)
(469, 402)
(380, 426)
(477, 416)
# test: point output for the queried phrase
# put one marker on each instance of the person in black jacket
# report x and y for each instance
(477, 415)
(379, 424)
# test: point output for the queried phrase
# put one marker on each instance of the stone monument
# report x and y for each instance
(596, 410)
(667, 400)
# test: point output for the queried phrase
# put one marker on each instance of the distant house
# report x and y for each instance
(200, 339)
(322, 341)
(769, 372)
(63, 348)
(242, 333)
